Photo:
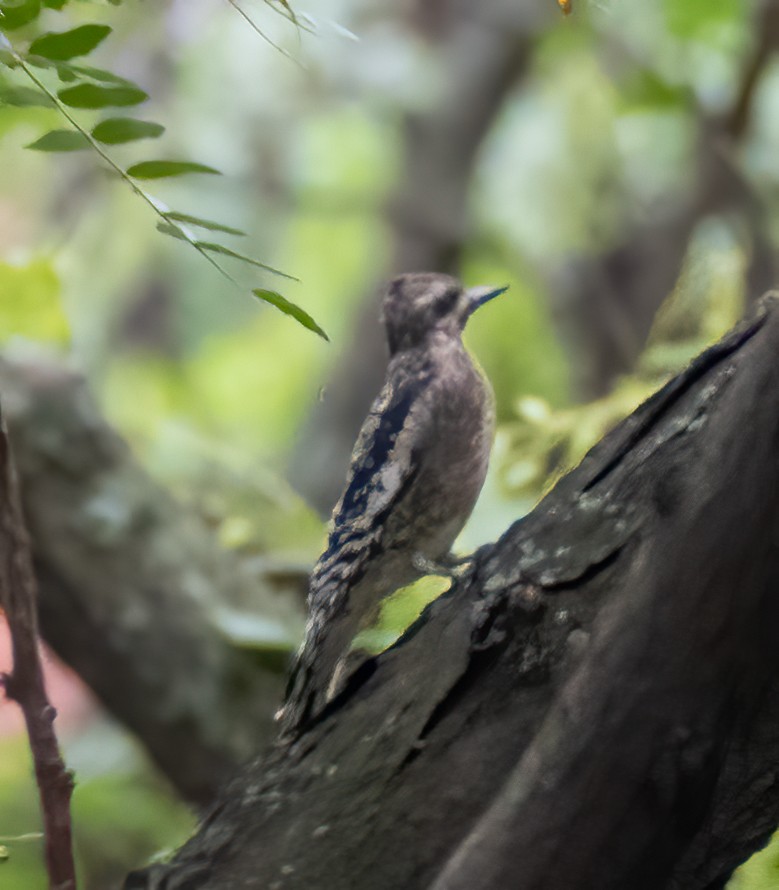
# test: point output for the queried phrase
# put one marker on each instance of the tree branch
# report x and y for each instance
(25, 683)
(591, 707)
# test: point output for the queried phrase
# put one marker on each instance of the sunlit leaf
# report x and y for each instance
(162, 169)
(17, 13)
(69, 44)
(91, 95)
(201, 223)
(60, 140)
(117, 130)
(54, 4)
(24, 97)
(225, 251)
(288, 308)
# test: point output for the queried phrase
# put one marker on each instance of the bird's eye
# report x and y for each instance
(447, 302)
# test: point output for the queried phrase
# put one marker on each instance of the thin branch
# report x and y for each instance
(283, 9)
(256, 28)
(25, 685)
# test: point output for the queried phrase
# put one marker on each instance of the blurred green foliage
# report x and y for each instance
(399, 611)
(120, 819)
(210, 387)
(708, 300)
(760, 872)
(36, 310)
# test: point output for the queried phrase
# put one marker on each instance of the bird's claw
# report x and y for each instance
(448, 566)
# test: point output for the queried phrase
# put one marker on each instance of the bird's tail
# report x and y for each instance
(316, 678)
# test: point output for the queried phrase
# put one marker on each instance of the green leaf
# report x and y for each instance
(282, 303)
(91, 95)
(225, 251)
(54, 4)
(174, 231)
(24, 97)
(101, 75)
(162, 169)
(60, 140)
(117, 130)
(17, 13)
(66, 45)
(201, 223)
(67, 71)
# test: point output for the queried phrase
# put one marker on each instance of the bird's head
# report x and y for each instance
(421, 303)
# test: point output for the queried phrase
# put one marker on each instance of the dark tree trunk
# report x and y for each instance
(593, 706)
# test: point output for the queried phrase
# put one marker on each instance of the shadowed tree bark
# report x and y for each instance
(592, 706)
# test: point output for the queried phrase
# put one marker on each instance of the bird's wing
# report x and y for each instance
(384, 463)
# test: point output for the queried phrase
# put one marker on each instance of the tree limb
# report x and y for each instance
(25, 684)
(591, 707)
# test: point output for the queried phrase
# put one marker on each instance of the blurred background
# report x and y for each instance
(616, 166)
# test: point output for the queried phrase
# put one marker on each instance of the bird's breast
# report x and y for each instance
(455, 447)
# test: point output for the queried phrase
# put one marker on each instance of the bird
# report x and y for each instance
(417, 468)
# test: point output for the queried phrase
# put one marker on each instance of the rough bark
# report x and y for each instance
(593, 706)
(132, 586)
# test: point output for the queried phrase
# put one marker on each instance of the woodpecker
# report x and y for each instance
(415, 473)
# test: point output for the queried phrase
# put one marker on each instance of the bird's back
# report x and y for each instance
(416, 471)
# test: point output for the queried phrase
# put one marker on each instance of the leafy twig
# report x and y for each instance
(52, 96)
(56, 50)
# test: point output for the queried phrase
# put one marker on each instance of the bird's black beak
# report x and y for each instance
(478, 296)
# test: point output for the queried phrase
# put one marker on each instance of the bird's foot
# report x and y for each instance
(448, 566)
